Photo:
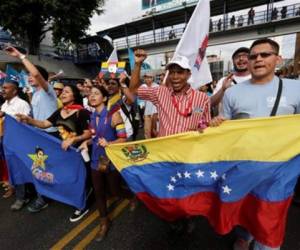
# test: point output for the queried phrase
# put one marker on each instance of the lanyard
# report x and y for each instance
(187, 110)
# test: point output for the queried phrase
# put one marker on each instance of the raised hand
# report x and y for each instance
(140, 56)
(12, 51)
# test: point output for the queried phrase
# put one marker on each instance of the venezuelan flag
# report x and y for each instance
(240, 173)
(115, 72)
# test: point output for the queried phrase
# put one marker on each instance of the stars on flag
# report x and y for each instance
(200, 173)
(199, 176)
(170, 187)
(187, 175)
(173, 179)
(226, 189)
(214, 175)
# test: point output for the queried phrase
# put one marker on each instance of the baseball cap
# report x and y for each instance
(181, 61)
(239, 50)
(58, 85)
(148, 73)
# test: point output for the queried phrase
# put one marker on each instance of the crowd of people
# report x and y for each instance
(100, 112)
(251, 18)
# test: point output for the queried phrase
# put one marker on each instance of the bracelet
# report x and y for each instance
(22, 57)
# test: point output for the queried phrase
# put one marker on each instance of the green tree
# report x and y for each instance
(30, 20)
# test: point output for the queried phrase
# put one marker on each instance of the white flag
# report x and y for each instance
(193, 44)
(113, 58)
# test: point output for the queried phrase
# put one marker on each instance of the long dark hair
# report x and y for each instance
(76, 94)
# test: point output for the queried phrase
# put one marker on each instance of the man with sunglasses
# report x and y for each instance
(262, 96)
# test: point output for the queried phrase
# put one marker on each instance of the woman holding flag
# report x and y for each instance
(72, 121)
(107, 128)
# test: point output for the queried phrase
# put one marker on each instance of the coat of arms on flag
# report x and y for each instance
(112, 69)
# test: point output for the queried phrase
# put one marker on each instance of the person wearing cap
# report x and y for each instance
(58, 88)
(241, 73)
(180, 108)
(150, 113)
(13, 105)
(161, 77)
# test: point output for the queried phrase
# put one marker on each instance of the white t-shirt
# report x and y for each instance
(150, 108)
(15, 106)
(86, 105)
(238, 79)
(128, 126)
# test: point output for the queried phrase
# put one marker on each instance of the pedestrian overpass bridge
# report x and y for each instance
(153, 31)
(230, 34)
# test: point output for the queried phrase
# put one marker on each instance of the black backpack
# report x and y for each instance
(132, 116)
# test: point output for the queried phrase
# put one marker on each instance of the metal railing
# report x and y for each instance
(223, 24)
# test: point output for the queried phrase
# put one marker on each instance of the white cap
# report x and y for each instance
(148, 73)
(181, 61)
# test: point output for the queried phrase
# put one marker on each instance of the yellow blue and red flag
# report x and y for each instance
(241, 173)
(112, 69)
(35, 157)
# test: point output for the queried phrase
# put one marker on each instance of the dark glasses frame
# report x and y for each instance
(262, 55)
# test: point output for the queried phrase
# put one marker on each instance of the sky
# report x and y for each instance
(116, 12)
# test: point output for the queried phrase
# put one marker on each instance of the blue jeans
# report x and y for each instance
(245, 235)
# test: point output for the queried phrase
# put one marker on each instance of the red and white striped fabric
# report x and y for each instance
(170, 120)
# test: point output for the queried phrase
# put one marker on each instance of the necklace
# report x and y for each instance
(187, 110)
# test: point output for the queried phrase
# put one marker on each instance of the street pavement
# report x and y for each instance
(130, 230)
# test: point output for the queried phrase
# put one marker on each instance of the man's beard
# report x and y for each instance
(239, 70)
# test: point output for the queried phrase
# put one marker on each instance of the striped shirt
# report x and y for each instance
(170, 120)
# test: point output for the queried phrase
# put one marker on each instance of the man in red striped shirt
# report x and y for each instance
(180, 107)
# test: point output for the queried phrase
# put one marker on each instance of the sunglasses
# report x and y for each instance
(262, 55)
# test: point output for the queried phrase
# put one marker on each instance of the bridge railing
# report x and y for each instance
(223, 24)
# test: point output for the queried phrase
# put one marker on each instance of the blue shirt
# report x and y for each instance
(105, 130)
(44, 104)
(248, 100)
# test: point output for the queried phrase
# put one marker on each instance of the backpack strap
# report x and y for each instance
(276, 104)
(126, 112)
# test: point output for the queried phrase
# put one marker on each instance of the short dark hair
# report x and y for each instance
(42, 71)
(106, 80)
(273, 44)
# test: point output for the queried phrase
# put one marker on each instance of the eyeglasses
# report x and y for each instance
(262, 55)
